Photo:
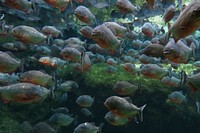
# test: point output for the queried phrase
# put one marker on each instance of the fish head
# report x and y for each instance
(171, 50)
(79, 13)
(17, 31)
(110, 103)
(187, 22)
(96, 33)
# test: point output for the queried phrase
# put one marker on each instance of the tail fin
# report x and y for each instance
(198, 107)
(167, 37)
(82, 60)
(100, 127)
(183, 78)
(141, 112)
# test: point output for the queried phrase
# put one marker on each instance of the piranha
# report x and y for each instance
(117, 29)
(23, 93)
(85, 101)
(153, 50)
(193, 81)
(178, 52)
(54, 61)
(51, 30)
(115, 119)
(88, 128)
(148, 29)
(86, 112)
(85, 15)
(6, 79)
(22, 5)
(68, 86)
(154, 71)
(60, 4)
(7, 63)
(37, 77)
(125, 6)
(144, 59)
(177, 97)
(129, 67)
(106, 39)
(27, 34)
(124, 88)
(171, 81)
(43, 127)
(86, 31)
(73, 40)
(71, 54)
(60, 119)
(187, 22)
(169, 13)
(151, 3)
(121, 107)
(111, 61)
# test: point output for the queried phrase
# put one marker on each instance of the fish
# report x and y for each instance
(88, 128)
(169, 13)
(60, 4)
(129, 67)
(99, 3)
(151, 3)
(153, 50)
(85, 101)
(60, 110)
(121, 107)
(178, 52)
(154, 71)
(171, 81)
(43, 127)
(124, 88)
(197, 64)
(84, 15)
(111, 69)
(106, 39)
(52, 31)
(95, 48)
(53, 62)
(68, 86)
(37, 78)
(23, 93)
(7, 63)
(71, 54)
(26, 127)
(125, 6)
(187, 22)
(115, 120)
(137, 44)
(111, 61)
(85, 62)
(117, 29)
(177, 97)
(192, 81)
(148, 29)
(61, 119)
(6, 79)
(86, 112)
(22, 5)
(86, 31)
(73, 40)
(144, 59)
(27, 34)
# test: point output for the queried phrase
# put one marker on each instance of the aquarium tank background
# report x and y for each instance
(99, 66)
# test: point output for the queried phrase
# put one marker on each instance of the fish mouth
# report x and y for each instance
(166, 52)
